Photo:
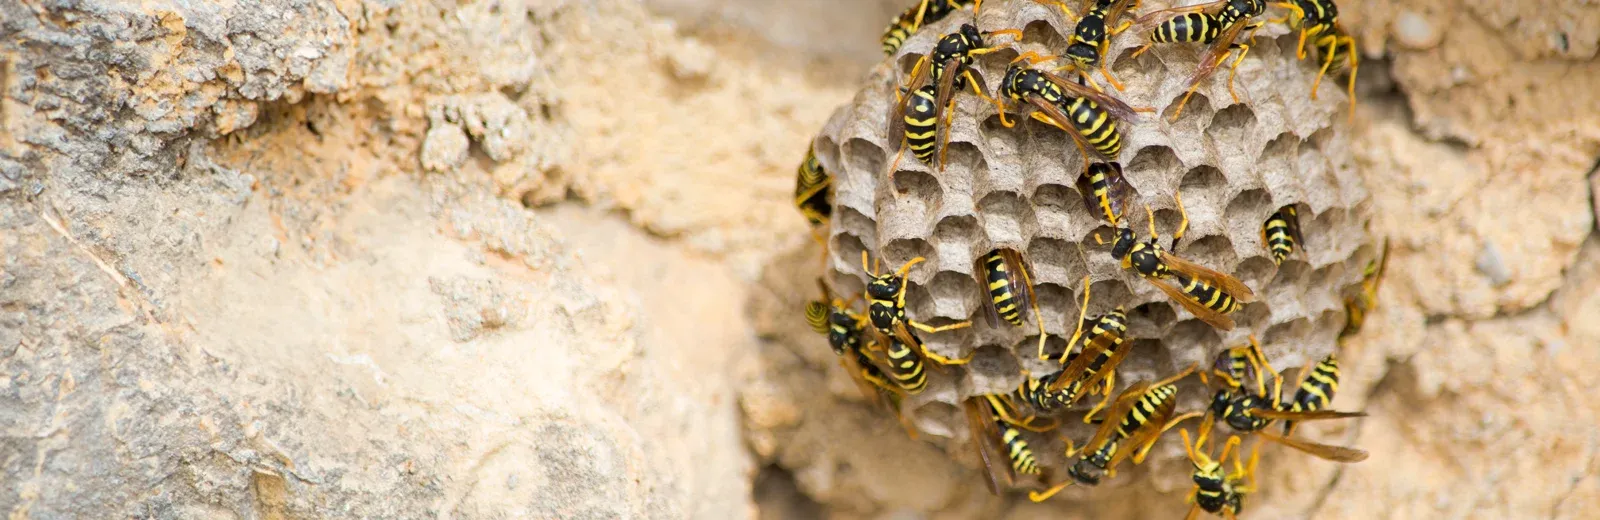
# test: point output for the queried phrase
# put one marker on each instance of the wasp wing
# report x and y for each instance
(1108, 427)
(1111, 104)
(1227, 283)
(1021, 280)
(1079, 363)
(1117, 190)
(1214, 318)
(1319, 450)
(1115, 12)
(897, 110)
(852, 365)
(1105, 370)
(1153, 18)
(1292, 216)
(1305, 415)
(1060, 120)
(1152, 428)
(1215, 55)
(980, 271)
(984, 436)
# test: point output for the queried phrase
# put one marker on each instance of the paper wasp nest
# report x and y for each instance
(1235, 164)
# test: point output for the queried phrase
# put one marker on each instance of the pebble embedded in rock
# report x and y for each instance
(1415, 31)
(1492, 265)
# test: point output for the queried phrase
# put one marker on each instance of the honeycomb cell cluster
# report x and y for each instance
(1234, 163)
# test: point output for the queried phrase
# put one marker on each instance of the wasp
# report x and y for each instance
(811, 184)
(1219, 30)
(1090, 39)
(1147, 412)
(886, 308)
(1237, 363)
(948, 70)
(1316, 389)
(905, 24)
(1356, 307)
(845, 329)
(1252, 412)
(1281, 234)
(1008, 282)
(1104, 190)
(1318, 21)
(1102, 349)
(1217, 491)
(992, 418)
(1086, 114)
(1209, 295)
(1312, 18)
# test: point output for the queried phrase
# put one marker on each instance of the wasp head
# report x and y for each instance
(1084, 471)
(1207, 473)
(1220, 402)
(971, 34)
(885, 287)
(1083, 54)
(1123, 244)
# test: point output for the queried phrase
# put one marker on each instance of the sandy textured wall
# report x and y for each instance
(279, 260)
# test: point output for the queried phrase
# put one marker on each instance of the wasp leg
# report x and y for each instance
(945, 360)
(1040, 496)
(1144, 450)
(922, 8)
(1183, 224)
(1109, 78)
(1244, 49)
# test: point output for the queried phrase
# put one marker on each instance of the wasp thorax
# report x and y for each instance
(1146, 258)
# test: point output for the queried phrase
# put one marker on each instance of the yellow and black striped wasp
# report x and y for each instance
(1281, 233)
(1096, 360)
(1317, 388)
(918, 113)
(1358, 306)
(1105, 190)
(1252, 412)
(1091, 38)
(1009, 285)
(886, 308)
(996, 427)
(1216, 490)
(1219, 30)
(1086, 114)
(811, 184)
(1318, 22)
(908, 22)
(846, 331)
(1311, 17)
(1209, 295)
(1146, 410)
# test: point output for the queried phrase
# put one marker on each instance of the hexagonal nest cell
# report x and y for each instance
(1235, 163)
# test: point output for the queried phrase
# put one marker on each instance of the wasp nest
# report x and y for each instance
(1234, 164)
